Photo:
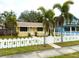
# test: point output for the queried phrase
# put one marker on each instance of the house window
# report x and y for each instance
(73, 28)
(77, 28)
(39, 29)
(23, 28)
(67, 28)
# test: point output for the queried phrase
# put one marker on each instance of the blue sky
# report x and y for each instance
(19, 6)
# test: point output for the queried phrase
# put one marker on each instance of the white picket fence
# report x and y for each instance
(66, 38)
(20, 42)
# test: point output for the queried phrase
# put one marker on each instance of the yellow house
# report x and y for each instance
(26, 28)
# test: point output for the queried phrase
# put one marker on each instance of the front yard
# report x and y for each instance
(11, 51)
(7, 37)
(71, 43)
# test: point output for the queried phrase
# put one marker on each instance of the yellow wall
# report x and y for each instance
(40, 33)
(23, 34)
(30, 30)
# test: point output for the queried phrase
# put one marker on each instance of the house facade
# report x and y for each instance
(69, 28)
(26, 28)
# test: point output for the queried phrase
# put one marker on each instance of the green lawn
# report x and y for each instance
(7, 37)
(10, 51)
(71, 43)
(71, 55)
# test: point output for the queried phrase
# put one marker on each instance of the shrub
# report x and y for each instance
(29, 35)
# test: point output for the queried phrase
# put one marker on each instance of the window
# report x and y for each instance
(77, 28)
(67, 28)
(73, 28)
(23, 28)
(39, 29)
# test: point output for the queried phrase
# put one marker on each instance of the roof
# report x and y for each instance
(29, 24)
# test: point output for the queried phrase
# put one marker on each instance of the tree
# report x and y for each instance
(9, 21)
(64, 9)
(1, 20)
(51, 21)
(30, 16)
(48, 21)
(65, 15)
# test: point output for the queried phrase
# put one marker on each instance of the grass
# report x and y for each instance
(7, 37)
(11, 51)
(71, 43)
(11, 37)
(71, 55)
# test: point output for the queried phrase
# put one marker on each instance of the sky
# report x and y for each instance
(19, 6)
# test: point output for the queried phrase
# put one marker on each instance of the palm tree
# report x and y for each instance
(48, 22)
(65, 15)
(51, 21)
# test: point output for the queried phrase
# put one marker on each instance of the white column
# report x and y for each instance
(75, 29)
(70, 30)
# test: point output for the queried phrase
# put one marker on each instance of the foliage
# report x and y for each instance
(36, 33)
(30, 16)
(29, 35)
(64, 9)
(48, 19)
(9, 20)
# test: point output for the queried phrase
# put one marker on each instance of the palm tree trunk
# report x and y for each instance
(54, 31)
(49, 32)
(61, 34)
(44, 39)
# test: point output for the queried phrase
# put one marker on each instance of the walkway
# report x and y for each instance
(46, 53)
(54, 45)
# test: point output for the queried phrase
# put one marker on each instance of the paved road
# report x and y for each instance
(46, 53)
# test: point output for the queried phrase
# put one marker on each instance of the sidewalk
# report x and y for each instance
(46, 53)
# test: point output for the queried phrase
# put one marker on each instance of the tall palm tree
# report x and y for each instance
(51, 21)
(65, 15)
(48, 22)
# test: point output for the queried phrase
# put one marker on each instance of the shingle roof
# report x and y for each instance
(29, 24)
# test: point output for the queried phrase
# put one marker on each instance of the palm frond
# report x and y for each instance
(57, 6)
(42, 10)
(50, 14)
(65, 7)
(68, 2)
